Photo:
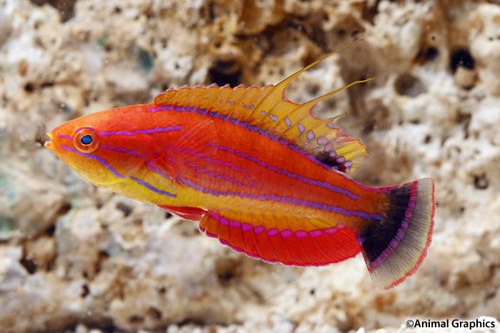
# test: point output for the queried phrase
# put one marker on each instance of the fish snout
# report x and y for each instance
(49, 144)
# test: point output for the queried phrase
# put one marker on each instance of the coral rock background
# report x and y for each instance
(77, 258)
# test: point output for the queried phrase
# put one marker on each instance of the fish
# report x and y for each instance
(260, 173)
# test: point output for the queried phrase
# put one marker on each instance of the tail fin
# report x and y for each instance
(395, 247)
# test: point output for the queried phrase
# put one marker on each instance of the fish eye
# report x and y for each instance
(86, 140)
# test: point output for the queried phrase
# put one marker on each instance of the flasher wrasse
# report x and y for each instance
(260, 173)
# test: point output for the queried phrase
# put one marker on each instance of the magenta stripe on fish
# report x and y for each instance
(121, 150)
(97, 158)
(289, 174)
(142, 131)
(293, 201)
(152, 188)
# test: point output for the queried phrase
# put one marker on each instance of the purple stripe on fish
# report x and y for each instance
(152, 188)
(131, 152)
(208, 159)
(287, 200)
(219, 176)
(246, 126)
(161, 108)
(276, 138)
(289, 174)
(97, 158)
(64, 136)
(154, 168)
(142, 131)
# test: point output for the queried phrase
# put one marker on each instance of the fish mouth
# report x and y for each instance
(49, 144)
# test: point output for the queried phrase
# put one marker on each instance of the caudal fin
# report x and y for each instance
(395, 247)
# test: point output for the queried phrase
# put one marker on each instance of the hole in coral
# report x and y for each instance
(146, 60)
(313, 89)
(29, 87)
(370, 10)
(461, 58)
(126, 209)
(85, 291)
(168, 215)
(226, 271)
(65, 7)
(99, 204)
(408, 85)
(481, 182)
(154, 313)
(464, 119)
(225, 72)
(427, 139)
(431, 53)
(47, 84)
(135, 319)
(29, 265)
(51, 230)
(211, 11)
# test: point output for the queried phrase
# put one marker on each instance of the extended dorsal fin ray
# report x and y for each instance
(267, 109)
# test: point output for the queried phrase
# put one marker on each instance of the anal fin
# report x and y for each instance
(259, 237)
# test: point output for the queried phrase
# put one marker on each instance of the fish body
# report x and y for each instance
(259, 172)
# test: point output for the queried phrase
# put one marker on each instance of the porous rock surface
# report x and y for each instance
(76, 258)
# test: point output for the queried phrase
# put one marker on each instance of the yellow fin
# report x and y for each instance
(268, 110)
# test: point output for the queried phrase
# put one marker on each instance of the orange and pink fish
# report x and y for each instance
(259, 172)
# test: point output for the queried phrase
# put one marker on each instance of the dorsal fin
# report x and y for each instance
(269, 110)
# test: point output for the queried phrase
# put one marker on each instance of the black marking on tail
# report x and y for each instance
(377, 236)
(395, 247)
